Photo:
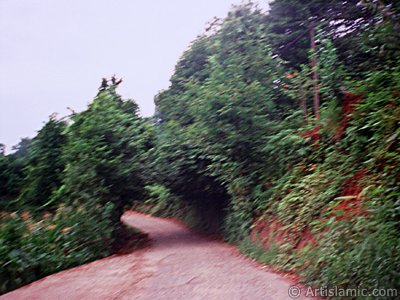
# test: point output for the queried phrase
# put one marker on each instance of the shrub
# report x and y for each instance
(32, 247)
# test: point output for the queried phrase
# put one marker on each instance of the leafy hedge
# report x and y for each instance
(32, 247)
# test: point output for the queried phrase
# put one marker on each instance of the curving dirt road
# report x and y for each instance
(178, 264)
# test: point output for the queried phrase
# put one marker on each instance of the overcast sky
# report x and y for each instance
(53, 53)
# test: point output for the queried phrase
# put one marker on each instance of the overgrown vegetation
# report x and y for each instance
(63, 193)
(33, 246)
(311, 189)
(288, 148)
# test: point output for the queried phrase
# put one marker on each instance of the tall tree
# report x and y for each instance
(103, 154)
(290, 22)
(13, 170)
(45, 163)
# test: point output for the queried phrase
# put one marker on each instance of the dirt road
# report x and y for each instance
(177, 265)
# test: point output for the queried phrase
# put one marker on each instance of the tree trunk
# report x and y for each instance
(314, 71)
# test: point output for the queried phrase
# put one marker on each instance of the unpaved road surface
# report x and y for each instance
(178, 264)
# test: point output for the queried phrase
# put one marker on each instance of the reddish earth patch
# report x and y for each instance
(270, 231)
(307, 238)
(351, 186)
(349, 105)
(351, 205)
(267, 231)
(314, 135)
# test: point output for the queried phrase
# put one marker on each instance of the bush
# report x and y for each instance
(32, 247)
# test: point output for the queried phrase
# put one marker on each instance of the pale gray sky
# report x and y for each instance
(53, 53)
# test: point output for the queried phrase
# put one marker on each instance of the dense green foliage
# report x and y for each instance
(32, 247)
(13, 172)
(235, 132)
(103, 152)
(68, 189)
(236, 147)
(45, 164)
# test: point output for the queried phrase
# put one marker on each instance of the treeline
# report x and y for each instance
(284, 126)
(64, 191)
(279, 131)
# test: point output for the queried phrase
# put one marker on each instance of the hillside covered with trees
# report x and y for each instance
(279, 132)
